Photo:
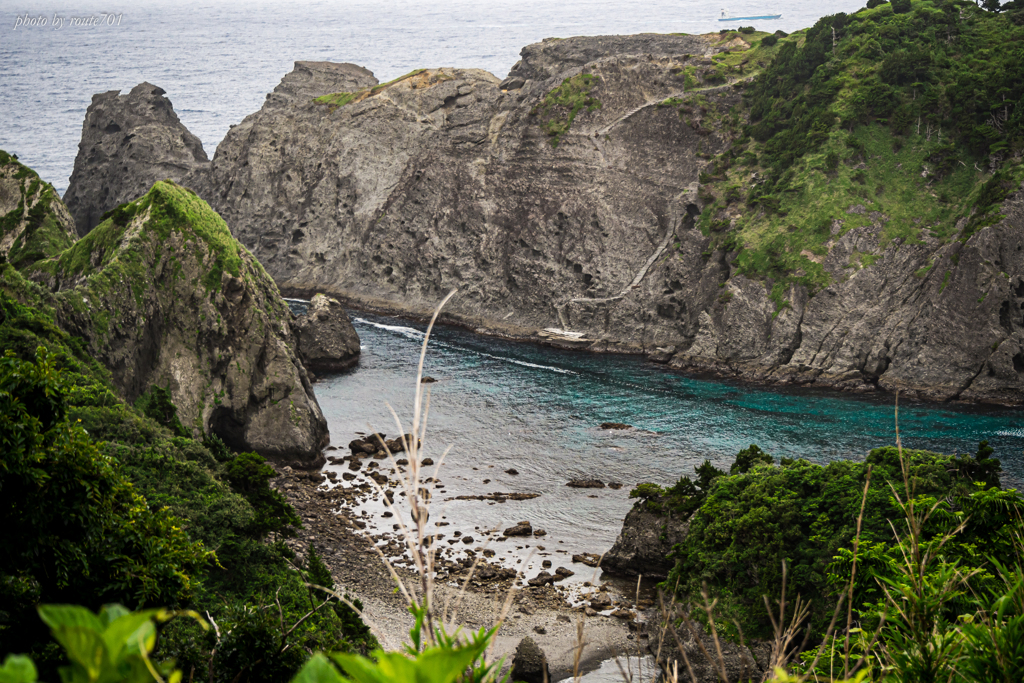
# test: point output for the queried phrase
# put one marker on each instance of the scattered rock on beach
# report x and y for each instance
(615, 425)
(512, 470)
(520, 529)
(427, 379)
(542, 579)
(586, 484)
(589, 559)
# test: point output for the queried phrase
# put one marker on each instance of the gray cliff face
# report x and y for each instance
(448, 178)
(644, 543)
(128, 143)
(174, 302)
(326, 341)
(443, 180)
(309, 80)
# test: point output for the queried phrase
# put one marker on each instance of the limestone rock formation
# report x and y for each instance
(163, 295)
(567, 198)
(644, 543)
(128, 143)
(34, 223)
(326, 341)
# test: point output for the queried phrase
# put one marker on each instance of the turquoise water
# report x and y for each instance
(502, 405)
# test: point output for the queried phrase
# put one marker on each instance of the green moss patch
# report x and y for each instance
(559, 108)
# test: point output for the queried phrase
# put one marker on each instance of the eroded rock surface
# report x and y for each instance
(128, 143)
(164, 296)
(644, 543)
(393, 194)
(326, 341)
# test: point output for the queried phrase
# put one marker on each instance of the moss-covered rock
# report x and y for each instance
(34, 223)
(163, 295)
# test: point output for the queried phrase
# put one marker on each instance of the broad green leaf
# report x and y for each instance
(112, 612)
(70, 616)
(18, 669)
(442, 665)
(318, 670)
(361, 669)
(85, 648)
(123, 634)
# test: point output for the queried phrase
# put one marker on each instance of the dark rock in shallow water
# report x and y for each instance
(589, 559)
(530, 664)
(128, 143)
(520, 529)
(615, 425)
(325, 338)
(542, 579)
(586, 484)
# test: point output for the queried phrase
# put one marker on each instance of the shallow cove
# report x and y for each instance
(503, 405)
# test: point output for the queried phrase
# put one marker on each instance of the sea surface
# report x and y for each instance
(217, 60)
(501, 405)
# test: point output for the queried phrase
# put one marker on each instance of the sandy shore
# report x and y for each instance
(540, 612)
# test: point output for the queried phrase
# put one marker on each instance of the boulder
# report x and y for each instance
(530, 664)
(542, 579)
(586, 484)
(520, 529)
(325, 338)
(589, 559)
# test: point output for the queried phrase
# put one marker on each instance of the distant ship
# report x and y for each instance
(725, 17)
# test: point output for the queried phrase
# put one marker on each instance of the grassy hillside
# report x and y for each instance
(907, 120)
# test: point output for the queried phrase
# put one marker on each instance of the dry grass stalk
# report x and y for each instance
(421, 547)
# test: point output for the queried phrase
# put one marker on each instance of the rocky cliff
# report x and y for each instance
(163, 295)
(648, 535)
(128, 143)
(580, 194)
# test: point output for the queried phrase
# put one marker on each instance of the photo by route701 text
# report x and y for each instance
(58, 22)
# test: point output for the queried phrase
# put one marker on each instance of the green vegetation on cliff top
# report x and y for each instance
(42, 235)
(110, 248)
(910, 121)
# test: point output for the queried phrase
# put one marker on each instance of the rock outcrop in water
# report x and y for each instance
(569, 196)
(163, 295)
(326, 341)
(128, 143)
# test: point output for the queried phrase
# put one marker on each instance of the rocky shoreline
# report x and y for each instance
(541, 611)
(749, 374)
